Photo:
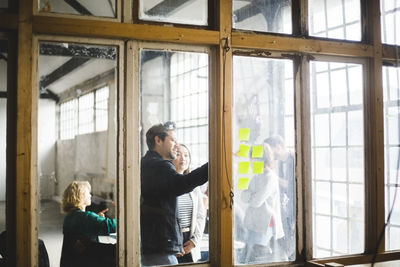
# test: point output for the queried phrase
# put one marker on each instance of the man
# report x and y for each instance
(161, 235)
(286, 185)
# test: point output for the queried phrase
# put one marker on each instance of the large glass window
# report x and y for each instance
(263, 16)
(336, 19)
(3, 133)
(337, 158)
(173, 87)
(68, 73)
(390, 19)
(192, 12)
(391, 93)
(263, 165)
(100, 8)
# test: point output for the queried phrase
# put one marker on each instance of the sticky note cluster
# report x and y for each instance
(256, 152)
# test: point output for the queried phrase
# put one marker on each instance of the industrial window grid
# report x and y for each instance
(321, 21)
(390, 19)
(85, 114)
(332, 179)
(189, 103)
(391, 81)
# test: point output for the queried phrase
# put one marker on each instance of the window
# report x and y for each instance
(189, 102)
(337, 19)
(68, 122)
(100, 8)
(3, 133)
(390, 17)
(85, 114)
(182, 11)
(263, 164)
(391, 92)
(263, 16)
(337, 158)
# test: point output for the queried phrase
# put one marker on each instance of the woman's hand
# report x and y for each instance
(101, 213)
(188, 246)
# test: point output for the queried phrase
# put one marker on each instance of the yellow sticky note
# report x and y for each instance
(258, 167)
(244, 167)
(243, 151)
(243, 183)
(257, 151)
(244, 134)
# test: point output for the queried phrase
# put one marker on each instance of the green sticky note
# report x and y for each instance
(243, 151)
(258, 167)
(257, 152)
(244, 134)
(243, 183)
(244, 167)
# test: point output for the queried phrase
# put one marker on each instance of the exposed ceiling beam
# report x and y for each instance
(166, 7)
(3, 57)
(3, 94)
(73, 50)
(78, 7)
(60, 72)
(48, 94)
(111, 7)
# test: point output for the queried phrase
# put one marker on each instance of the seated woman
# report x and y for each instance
(191, 212)
(82, 228)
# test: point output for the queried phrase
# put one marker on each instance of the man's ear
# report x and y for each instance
(157, 140)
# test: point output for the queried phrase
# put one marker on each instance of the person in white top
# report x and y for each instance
(262, 217)
(191, 212)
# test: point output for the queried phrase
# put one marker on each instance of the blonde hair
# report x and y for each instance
(72, 198)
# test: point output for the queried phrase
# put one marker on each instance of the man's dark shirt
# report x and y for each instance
(160, 185)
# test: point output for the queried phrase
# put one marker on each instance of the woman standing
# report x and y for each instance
(191, 212)
(82, 228)
(262, 218)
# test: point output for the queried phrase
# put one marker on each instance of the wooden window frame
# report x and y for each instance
(30, 27)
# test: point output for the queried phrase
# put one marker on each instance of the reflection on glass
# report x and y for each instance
(335, 19)
(100, 8)
(337, 159)
(71, 147)
(263, 16)
(174, 87)
(3, 138)
(391, 95)
(390, 20)
(192, 12)
(264, 214)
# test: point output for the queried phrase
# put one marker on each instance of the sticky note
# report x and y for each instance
(243, 151)
(244, 134)
(243, 183)
(244, 167)
(258, 167)
(257, 151)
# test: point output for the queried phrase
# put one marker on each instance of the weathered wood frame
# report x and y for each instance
(219, 37)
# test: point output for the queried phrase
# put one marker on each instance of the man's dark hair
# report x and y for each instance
(160, 130)
(274, 141)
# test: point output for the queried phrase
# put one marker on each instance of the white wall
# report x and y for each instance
(3, 132)
(47, 136)
(3, 128)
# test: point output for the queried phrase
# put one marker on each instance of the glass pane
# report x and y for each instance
(193, 12)
(100, 8)
(263, 162)
(263, 16)
(391, 92)
(69, 161)
(336, 19)
(390, 21)
(174, 146)
(3, 138)
(337, 157)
